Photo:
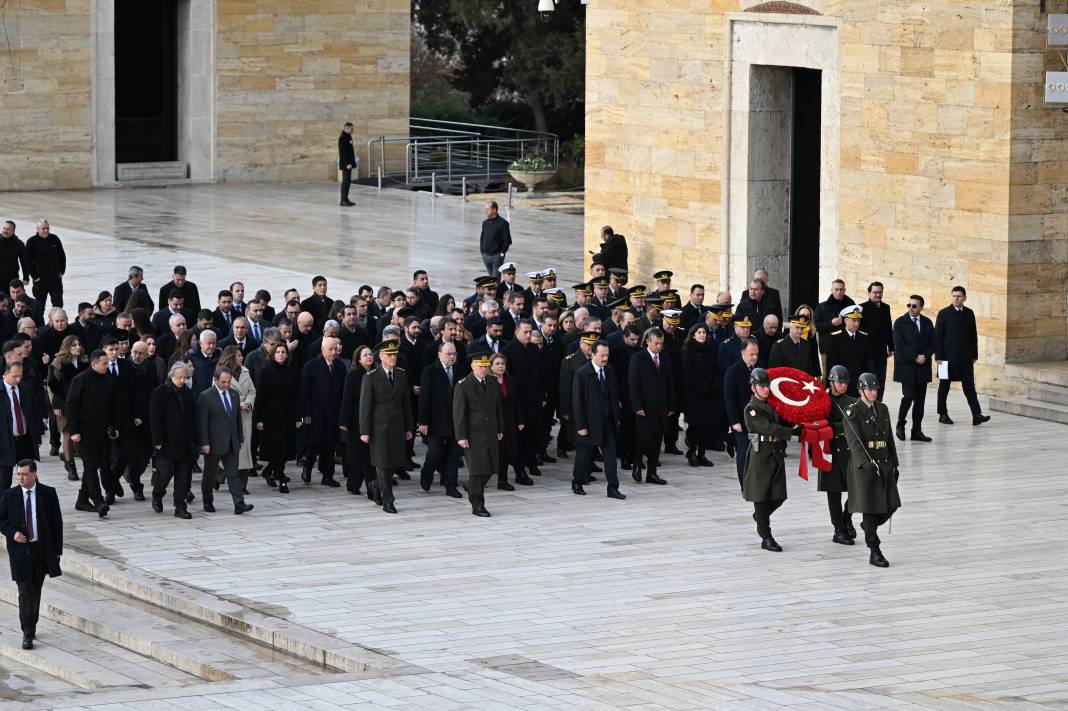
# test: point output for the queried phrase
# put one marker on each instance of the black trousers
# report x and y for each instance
(442, 455)
(839, 515)
(358, 462)
(967, 384)
(234, 481)
(137, 446)
(385, 484)
(565, 436)
(55, 437)
(648, 446)
(870, 524)
(476, 491)
(24, 449)
(181, 471)
(671, 437)
(324, 452)
(584, 457)
(95, 450)
(548, 419)
(913, 395)
(741, 451)
(30, 591)
(530, 442)
(50, 289)
(763, 511)
(626, 434)
(877, 365)
(346, 181)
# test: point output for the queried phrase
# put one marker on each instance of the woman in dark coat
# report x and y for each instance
(276, 414)
(104, 313)
(69, 361)
(513, 420)
(700, 393)
(357, 459)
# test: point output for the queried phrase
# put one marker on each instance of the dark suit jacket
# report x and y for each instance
(652, 389)
(189, 290)
(346, 154)
(31, 416)
(909, 343)
(121, 294)
(161, 320)
(770, 304)
(320, 399)
(523, 366)
(956, 338)
(736, 392)
(851, 352)
(222, 434)
(49, 530)
(879, 326)
(251, 344)
(435, 400)
(171, 413)
(219, 324)
(587, 403)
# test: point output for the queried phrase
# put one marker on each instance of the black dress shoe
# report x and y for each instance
(482, 513)
(330, 481)
(102, 510)
(403, 475)
(182, 513)
(654, 479)
(372, 492)
(209, 507)
(976, 421)
(561, 454)
(589, 479)
(505, 486)
(848, 528)
(453, 492)
(389, 508)
(217, 485)
(636, 473)
(900, 431)
(305, 474)
(614, 494)
(190, 497)
(72, 470)
(242, 508)
(769, 544)
(919, 436)
(876, 558)
(672, 449)
(524, 480)
(27, 641)
(842, 537)
(139, 495)
(944, 419)
(283, 488)
(730, 448)
(534, 471)
(54, 451)
(704, 461)
(346, 203)
(717, 446)
(109, 499)
(595, 468)
(546, 459)
(119, 491)
(576, 488)
(692, 460)
(157, 503)
(84, 506)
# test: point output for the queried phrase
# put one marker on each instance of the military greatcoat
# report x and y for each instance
(385, 415)
(477, 417)
(836, 479)
(872, 487)
(764, 478)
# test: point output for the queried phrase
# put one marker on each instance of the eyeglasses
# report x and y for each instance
(914, 306)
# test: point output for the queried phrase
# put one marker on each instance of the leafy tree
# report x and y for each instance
(500, 51)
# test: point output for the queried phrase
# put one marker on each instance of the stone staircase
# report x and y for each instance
(1046, 395)
(108, 628)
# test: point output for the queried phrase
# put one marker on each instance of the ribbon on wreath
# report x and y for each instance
(815, 445)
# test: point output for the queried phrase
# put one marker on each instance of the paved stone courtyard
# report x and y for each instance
(662, 601)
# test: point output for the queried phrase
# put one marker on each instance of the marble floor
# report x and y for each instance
(662, 601)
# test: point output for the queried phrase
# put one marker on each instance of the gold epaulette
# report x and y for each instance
(864, 332)
(835, 333)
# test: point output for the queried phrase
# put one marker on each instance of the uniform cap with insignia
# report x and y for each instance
(601, 282)
(387, 348)
(483, 281)
(549, 273)
(636, 290)
(654, 300)
(582, 288)
(535, 277)
(480, 358)
(590, 337)
(742, 320)
(669, 295)
(799, 320)
(508, 268)
(620, 303)
(556, 294)
(663, 275)
(855, 311)
(672, 316)
(618, 274)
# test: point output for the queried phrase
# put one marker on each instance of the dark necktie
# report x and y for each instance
(917, 320)
(226, 316)
(29, 516)
(256, 331)
(226, 403)
(448, 372)
(389, 374)
(113, 368)
(20, 422)
(656, 360)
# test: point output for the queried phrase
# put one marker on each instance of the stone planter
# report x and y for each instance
(531, 178)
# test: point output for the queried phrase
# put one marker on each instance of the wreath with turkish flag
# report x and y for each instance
(800, 399)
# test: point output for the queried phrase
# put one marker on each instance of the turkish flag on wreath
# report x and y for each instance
(800, 399)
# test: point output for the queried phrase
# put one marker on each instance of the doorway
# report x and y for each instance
(805, 189)
(146, 81)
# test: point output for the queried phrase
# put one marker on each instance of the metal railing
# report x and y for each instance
(447, 152)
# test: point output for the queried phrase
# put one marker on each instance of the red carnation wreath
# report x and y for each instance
(800, 399)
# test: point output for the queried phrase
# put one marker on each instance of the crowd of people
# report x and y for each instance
(501, 381)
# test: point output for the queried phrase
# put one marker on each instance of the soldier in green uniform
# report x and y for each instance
(872, 475)
(764, 478)
(834, 482)
(479, 425)
(386, 420)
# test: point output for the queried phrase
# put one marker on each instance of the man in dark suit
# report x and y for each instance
(175, 306)
(849, 346)
(135, 282)
(828, 317)
(239, 336)
(222, 318)
(221, 435)
(20, 423)
(595, 405)
(137, 441)
(879, 327)
(756, 303)
(386, 421)
(435, 420)
(120, 370)
(46, 262)
(322, 383)
(957, 341)
(523, 361)
(31, 521)
(318, 304)
(515, 302)
(91, 411)
(652, 395)
(914, 347)
(736, 394)
(188, 288)
(346, 161)
(173, 426)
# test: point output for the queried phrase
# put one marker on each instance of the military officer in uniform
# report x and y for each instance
(598, 306)
(730, 350)
(617, 281)
(386, 420)
(663, 282)
(532, 292)
(834, 481)
(764, 479)
(507, 283)
(849, 346)
(479, 424)
(795, 351)
(872, 477)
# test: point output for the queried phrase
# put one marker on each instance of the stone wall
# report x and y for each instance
(951, 169)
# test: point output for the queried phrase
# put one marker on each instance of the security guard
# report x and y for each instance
(872, 475)
(834, 482)
(764, 478)
(849, 346)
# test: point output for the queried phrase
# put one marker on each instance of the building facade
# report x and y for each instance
(902, 141)
(97, 92)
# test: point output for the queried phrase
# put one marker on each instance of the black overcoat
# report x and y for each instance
(320, 399)
(171, 412)
(277, 408)
(652, 390)
(49, 530)
(587, 403)
(956, 340)
(701, 386)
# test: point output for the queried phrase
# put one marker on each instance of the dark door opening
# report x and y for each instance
(805, 189)
(146, 81)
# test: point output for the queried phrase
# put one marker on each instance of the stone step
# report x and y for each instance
(1048, 372)
(1026, 407)
(1054, 394)
(167, 171)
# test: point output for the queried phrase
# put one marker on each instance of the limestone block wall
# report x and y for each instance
(291, 73)
(951, 169)
(45, 95)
